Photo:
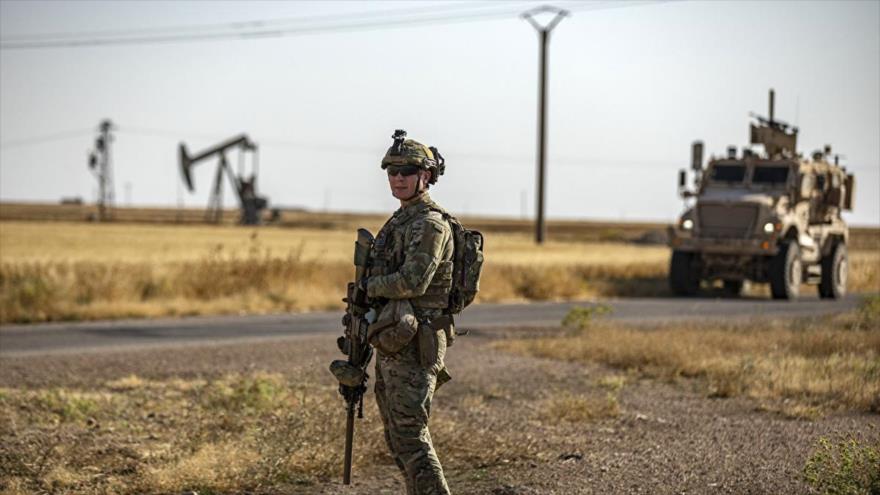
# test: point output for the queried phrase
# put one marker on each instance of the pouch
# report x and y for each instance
(395, 327)
(347, 374)
(429, 347)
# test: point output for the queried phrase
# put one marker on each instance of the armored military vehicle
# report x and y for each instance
(765, 214)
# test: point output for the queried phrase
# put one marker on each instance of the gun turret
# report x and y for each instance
(778, 137)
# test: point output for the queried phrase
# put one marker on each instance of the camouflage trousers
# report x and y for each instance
(404, 389)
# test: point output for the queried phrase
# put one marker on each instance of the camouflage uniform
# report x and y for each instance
(413, 260)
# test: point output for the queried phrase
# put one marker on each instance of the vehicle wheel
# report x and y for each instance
(733, 288)
(786, 272)
(683, 277)
(834, 272)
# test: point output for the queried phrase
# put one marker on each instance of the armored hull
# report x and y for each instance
(768, 215)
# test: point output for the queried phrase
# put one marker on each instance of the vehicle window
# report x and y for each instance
(728, 173)
(770, 175)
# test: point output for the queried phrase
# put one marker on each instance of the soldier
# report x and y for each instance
(410, 280)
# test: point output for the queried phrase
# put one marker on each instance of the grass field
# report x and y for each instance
(63, 270)
(73, 270)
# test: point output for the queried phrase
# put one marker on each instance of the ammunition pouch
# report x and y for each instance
(395, 327)
(434, 338)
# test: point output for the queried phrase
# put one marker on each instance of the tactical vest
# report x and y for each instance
(389, 252)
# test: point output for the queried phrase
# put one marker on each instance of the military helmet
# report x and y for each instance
(411, 152)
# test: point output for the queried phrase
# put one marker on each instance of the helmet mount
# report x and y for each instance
(399, 137)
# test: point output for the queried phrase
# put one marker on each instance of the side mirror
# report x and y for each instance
(850, 191)
(697, 155)
(682, 182)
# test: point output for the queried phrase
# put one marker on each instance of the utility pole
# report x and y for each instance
(101, 166)
(544, 37)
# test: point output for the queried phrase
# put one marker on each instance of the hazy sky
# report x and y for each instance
(630, 88)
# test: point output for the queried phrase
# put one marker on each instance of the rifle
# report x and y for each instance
(358, 316)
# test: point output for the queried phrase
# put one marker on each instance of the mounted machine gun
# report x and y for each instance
(246, 188)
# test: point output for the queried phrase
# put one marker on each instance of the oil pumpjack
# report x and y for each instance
(246, 188)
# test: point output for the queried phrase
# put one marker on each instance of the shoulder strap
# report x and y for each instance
(446, 215)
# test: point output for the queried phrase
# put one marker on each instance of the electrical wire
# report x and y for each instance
(487, 159)
(58, 136)
(239, 25)
(303, 26)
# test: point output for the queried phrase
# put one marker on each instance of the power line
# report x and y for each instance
(490, 159)
(303, 26)
(239, 25)
(58, 136)
(179, 135)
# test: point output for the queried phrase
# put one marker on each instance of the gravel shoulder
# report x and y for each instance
(667, 437)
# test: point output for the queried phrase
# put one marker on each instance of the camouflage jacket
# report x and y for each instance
(412, 257)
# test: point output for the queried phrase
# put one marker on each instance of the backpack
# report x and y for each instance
(467, 264)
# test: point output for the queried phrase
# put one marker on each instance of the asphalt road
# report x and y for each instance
(108, 336)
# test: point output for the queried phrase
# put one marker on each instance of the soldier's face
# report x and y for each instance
(404, 186)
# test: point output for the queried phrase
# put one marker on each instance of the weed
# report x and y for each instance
(843, 467)
(869, 312)
(612, 383)
(65, 405)
(580, 317)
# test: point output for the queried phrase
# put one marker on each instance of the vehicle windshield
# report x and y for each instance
(772, 176)
(728, 173)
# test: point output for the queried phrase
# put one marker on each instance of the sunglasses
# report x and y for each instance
(404, 170)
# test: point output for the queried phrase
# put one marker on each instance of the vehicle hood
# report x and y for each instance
(738, 196)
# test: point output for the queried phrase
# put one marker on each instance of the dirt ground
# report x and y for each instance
(666, 437)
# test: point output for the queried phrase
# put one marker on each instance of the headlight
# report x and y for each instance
(769, 227)
(687, 224)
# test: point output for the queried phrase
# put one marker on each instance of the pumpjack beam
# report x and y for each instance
(187, 161)
(251, 203)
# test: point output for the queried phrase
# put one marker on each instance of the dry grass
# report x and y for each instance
(579, 408)
(258, 432)
(802, 367)
(218, 283)
(154, 243)
(73, 271)
(228, 434)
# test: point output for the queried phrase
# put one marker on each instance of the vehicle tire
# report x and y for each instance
(683, 277)
(834, 273)
(733, 288)
(786, 272)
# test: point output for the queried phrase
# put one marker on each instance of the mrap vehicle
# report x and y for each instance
(767, 215)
